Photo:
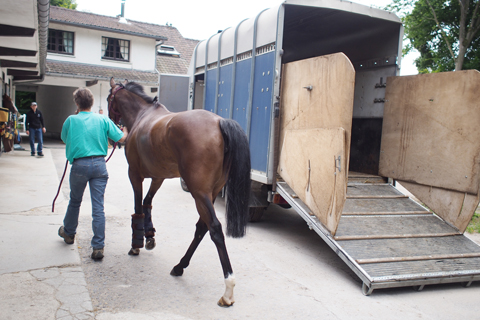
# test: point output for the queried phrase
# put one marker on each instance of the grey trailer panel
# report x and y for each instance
(173, 92)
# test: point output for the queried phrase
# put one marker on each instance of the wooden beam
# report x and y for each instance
(91, 83)
(384, 213)
(396, 236)
(366, 196)
(419, 258)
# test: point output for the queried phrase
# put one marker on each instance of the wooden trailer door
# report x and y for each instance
(315, 126)
(431, 141)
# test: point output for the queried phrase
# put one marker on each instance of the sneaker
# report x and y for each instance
(97, 254)
(40, 154)
(32, 154)
(66, 237)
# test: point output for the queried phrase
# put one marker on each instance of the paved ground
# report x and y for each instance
(283, 269)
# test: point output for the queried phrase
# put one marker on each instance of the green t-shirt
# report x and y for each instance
(86, 135)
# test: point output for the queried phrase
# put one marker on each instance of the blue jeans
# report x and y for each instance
(38, 133)
(94, 171)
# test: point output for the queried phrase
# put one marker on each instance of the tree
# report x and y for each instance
(69, 4)
(446, 33)
(23, 100)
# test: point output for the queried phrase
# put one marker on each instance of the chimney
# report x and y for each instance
(122, 14)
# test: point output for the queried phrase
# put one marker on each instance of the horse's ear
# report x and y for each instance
(112, 82)
(125, 82)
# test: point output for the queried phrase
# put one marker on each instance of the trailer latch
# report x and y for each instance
(276, 107)
(381, 84)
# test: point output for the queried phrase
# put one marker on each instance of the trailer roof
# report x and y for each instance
(264, 26)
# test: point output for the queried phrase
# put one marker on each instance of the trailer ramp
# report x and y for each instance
(389, 240)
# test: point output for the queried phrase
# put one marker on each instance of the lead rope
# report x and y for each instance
(65, 171)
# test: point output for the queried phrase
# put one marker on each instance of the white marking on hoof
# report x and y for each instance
(227, 299)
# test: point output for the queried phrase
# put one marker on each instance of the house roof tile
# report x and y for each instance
(89, 72)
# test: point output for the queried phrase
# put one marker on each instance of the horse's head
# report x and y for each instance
(113, 112)
(8, 103)
(129, 103)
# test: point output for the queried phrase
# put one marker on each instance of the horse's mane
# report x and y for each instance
(134, 87)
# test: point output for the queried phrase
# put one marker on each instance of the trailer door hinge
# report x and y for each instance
(379, 100)
(276, 107)
(338, 163)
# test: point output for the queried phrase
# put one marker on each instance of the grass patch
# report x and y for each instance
(474, 225)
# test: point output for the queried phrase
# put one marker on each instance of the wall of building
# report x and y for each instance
(88, 49)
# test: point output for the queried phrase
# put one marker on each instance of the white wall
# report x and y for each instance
(88, 49)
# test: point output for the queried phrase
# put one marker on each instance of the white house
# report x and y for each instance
(85, 49)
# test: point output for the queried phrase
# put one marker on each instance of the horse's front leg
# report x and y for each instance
(200, 231)
(138, 218)
(147, 211)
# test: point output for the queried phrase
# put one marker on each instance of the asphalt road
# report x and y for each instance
(283, 270)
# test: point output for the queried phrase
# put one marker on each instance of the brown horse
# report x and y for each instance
(8, 103)
(206, 150)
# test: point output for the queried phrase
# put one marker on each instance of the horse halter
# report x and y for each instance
(111, 111)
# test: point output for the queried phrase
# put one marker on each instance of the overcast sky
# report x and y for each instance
(199, 19)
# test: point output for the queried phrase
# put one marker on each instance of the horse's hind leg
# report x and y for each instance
(218, 239)
(208, 221)
(200, 231)
(147, 211)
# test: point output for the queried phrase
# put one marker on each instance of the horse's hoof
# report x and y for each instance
(176, 271)
(134, 252)
(150, 243)
(223, 303)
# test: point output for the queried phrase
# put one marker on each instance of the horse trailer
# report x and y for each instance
(334, 131)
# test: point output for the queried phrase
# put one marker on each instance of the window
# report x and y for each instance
(60, 41)
(168, 50)
(115, 49)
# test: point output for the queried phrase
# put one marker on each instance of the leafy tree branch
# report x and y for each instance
(446, 33)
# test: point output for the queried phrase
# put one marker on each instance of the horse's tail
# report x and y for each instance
(237, 168)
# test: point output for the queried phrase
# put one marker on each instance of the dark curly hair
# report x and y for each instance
(83, 98)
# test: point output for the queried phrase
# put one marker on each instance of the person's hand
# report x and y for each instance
(125, 134)
(44, 130)
(28, 133)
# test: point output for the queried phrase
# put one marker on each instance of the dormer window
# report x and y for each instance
(168, 50)
(115, 49)
(60, 41)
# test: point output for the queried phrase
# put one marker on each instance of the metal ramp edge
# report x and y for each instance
(416, 279)
(314, 224)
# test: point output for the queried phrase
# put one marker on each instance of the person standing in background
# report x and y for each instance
(35, 128)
